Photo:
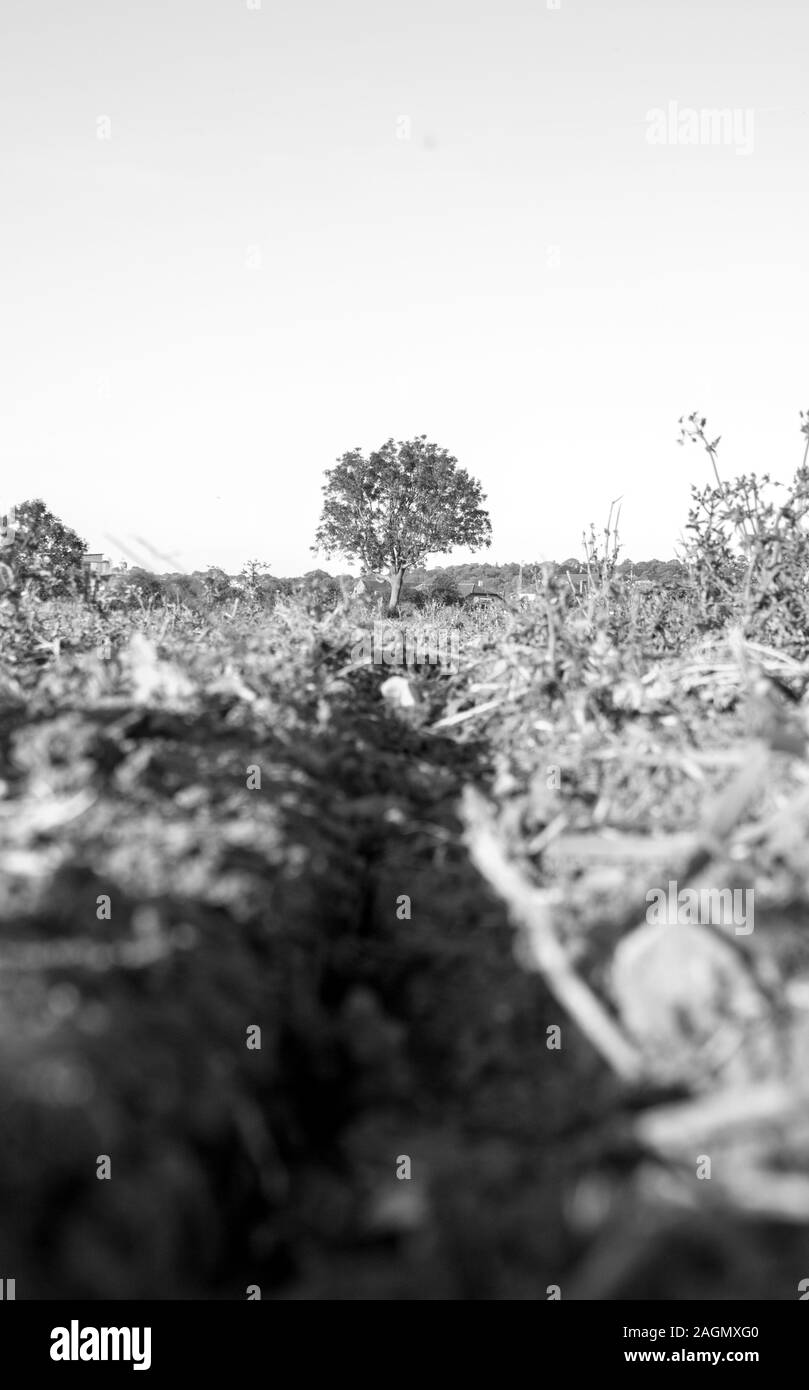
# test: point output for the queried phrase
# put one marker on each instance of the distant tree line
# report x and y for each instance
(46, 556)
(443, 584)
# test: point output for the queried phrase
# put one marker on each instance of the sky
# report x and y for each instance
(240, 237)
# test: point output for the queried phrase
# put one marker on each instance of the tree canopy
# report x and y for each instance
(44, 550)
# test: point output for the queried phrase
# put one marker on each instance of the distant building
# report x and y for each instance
(95, 569)
(467, 587)
(96, 564)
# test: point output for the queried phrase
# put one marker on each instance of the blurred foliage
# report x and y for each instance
(44, 554)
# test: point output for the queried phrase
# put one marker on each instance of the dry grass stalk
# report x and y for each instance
(531, 912)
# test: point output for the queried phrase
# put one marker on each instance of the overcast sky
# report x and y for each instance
(258, 270)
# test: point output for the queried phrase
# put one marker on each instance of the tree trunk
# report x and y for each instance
(396, 578)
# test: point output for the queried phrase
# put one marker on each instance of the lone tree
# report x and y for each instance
(404, 502)
(44, 550)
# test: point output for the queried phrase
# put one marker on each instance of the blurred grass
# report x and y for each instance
(127, 776)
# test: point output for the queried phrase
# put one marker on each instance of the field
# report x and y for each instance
(481, 1072)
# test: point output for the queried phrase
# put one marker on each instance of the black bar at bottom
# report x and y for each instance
(160, 1339)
